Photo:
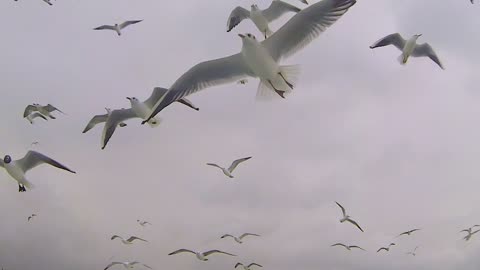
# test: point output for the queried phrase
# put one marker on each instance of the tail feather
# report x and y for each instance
(265, 92)
(291, 73)
(402, 59)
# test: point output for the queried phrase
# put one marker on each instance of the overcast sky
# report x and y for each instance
(396, 145)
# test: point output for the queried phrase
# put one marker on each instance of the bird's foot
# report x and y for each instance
(280, 93)
(288, 83)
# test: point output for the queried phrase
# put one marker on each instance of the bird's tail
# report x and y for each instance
(154, 122)
(402, 59)
(288, 75)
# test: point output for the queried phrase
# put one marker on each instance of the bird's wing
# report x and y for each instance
(247, 234)
(201, 76)
(236, 162)
(238, 264)
(94, 121)
(181, 250)
(475, 226)
(339, 244)
(225, 235)
(343, 209)
(105, 27)
(136, 238)
(51, 108)
(188, 103)
(215, 165)
(355, 223)
(2, 164)
(147, 266)
(116, 116)
(127, 23)
(468, 231)
(33, 159)
(157, 93)
(394, 39)
(475, 232)
(415, 249)
(238, 15)
(380, 249)
(277, 9)
(426, 50)
(402, 234)
(112, 264)
(28, 110)
(37, 114)
(252, 264)
(116, 236)
(305, 26)
(217, 251)
(357, 247)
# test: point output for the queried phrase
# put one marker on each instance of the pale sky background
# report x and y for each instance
(396, 145)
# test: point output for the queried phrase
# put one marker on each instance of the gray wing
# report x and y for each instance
(116, 236)
(105, 27)
(357, 247)
(112, 264)
(215, 165)
(51, 108)
(136, 238)
(225, 235)
(341, 207)
(305, 26)
(234, 165)
(188, 103)
(426, 50)
(217, 251)
(394, 39)
(254, 264)
(247, 234)
(238, 15)
(380, 249)
(203, 75)
(157, 93)
(475, 232)
(37, 114)
(28, 110)
(238, 264)
(181, 250)
(277, 9)
(115, 118)
(32, 159)
(355, 223)
(94, 121)
(339, 244)
(127, 23)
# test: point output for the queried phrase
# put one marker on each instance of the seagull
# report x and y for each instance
(228, 172)
(244, 81)
(261, 18)
(239, 239)
(408, 232)
(18, 168)
(386, 248)
(469, 233)
(201, 256)
(347, 217)
(30, 217)
(34, 115)
(143, 223)
(408, 48)
(117, 27)
(48, 2)
(126, 265)
(413, 252)
(247, 267)
(260, 59)
(347, 247)
(138, 110)
(45, 110)
(129, 241)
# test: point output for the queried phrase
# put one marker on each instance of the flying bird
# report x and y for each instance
(260, 59)
(347, 217)
(34, 115)
(347, 247)
(239, 239)
(201, 256)
(30, 217)
(413, 252)
(261, 18)
(247, 267)
(408, 48)
(470, 234)
(18, 168)
(117, 27)
(143, 223)
(228, 172)
(45, 110)
(138, 110)
(127, 265)
(128, 241)
(386, 248)
(408, 232)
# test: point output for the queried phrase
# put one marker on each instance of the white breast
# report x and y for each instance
(15, 171)
(259, 20)
(260, 61)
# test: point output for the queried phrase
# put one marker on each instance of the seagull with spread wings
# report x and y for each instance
(128, 241)
(30, 217)
(117, 27)
(202, 256)
(240, 238)
(248, 267)
(470, 233)
(228, 172)
(143, 223)
(413, 252)
(386, 248)
(45, 110)
(347, 247)
(127, 265)
(347, 217)
(408, 232)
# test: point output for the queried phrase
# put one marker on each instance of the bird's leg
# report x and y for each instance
(280, 93)
(289, 84)
(265, 34)
(21, 188)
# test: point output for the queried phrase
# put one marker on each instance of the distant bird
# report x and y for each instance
(117, 27)
(48, 2)
(413, 252)
(128, 241)
(34, 115)
(127, 265)
(97, 119)
(18, 168)
(228, 172)
(143, 223)
(408, 48)
(470, 233)
(244, 81)
(247, 267)
(347, 247)
(201, 256)
(30, 217)
(45, 110)
(239, 239)
(261, 18)
(34, 143)
(408, 232)
(386, 248)
(347, 217)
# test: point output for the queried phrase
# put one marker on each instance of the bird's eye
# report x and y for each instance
(249, 35)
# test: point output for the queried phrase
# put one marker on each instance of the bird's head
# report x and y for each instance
(7, 159)
(417, 36)
(248, 38)
(132, 99)
(254, 7)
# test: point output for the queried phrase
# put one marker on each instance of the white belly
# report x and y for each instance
(409, 47)
(260, 62)
(15, 171)
(259, 20)
(141, 110)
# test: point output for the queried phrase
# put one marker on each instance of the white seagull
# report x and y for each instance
(413, 252)
(260, 59)
(247, 267)
(48, 2)
(127, 265)
(470, 233)
(239, 239)
(138, 110)
(261, 18)
(201, 255)
(34, 115)
(347, 217)
(18, 168)
(143, 223)
(117, 27)
(386, 248)
(408, 232)
(408, 48)
(128, 241)
(45, 110)
(347, 247)
(228, 172)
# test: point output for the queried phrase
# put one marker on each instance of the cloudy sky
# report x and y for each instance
(396, 145)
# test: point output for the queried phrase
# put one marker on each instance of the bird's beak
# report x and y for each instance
(129, 98)
(419, 35)
(240, 35)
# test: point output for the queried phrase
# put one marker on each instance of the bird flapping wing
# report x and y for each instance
(217, 251)
(393, 39)
(33, 159)
(277, 9)
(236, 162)
(237, 15)
(94, 121)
